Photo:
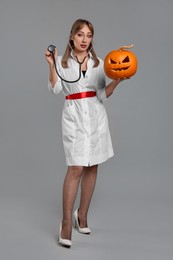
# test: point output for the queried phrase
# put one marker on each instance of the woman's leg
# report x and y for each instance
(87, 188)
(70, 189)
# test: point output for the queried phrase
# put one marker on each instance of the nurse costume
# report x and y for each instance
(85, 129)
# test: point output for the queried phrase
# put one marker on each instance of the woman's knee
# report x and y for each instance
(76, 171)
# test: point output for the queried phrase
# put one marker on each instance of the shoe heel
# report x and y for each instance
(75, 224)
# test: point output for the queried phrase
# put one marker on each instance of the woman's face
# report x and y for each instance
(82, 39)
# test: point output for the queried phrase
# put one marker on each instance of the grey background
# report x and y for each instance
(131, 212)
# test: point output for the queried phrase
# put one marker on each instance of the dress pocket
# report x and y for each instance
(68, 121)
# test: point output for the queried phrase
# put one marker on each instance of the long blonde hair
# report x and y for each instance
(78, 24)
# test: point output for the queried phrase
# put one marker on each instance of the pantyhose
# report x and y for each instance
(75, 174)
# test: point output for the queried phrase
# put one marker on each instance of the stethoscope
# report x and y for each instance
(51, 49)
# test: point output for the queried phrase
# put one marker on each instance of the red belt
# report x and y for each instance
(81, 95)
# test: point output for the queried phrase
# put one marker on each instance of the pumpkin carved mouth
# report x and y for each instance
(120, 69)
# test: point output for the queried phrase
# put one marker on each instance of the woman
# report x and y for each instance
(85, 129)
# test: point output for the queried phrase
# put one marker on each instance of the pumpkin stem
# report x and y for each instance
(126, 47)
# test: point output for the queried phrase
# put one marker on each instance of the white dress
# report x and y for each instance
(85, 129)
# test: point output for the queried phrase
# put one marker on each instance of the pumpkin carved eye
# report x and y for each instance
(126, 59)
(112, 61)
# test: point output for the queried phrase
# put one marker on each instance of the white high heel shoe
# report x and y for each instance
(64, 242)
(84, 230)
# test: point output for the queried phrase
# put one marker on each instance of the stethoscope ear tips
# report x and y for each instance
(51, 48)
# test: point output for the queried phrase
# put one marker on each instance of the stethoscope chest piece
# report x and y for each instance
(51, 48)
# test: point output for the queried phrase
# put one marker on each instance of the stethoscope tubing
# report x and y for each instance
(51, 49)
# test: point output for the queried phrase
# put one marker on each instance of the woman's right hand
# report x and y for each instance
(49, 57)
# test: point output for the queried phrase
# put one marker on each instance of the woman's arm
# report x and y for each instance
(52, 75)
(103, 91)
(52, 72)
(111, 87)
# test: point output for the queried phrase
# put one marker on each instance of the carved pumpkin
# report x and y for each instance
(120, 63)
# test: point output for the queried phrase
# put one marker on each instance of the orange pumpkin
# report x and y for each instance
(120, 63)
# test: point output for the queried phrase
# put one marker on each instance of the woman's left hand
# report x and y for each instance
(117, 81)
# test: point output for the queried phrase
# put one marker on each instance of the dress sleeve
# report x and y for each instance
(56, 89)
(101, 94)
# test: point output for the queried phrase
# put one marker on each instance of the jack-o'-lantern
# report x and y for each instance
(120, 63)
